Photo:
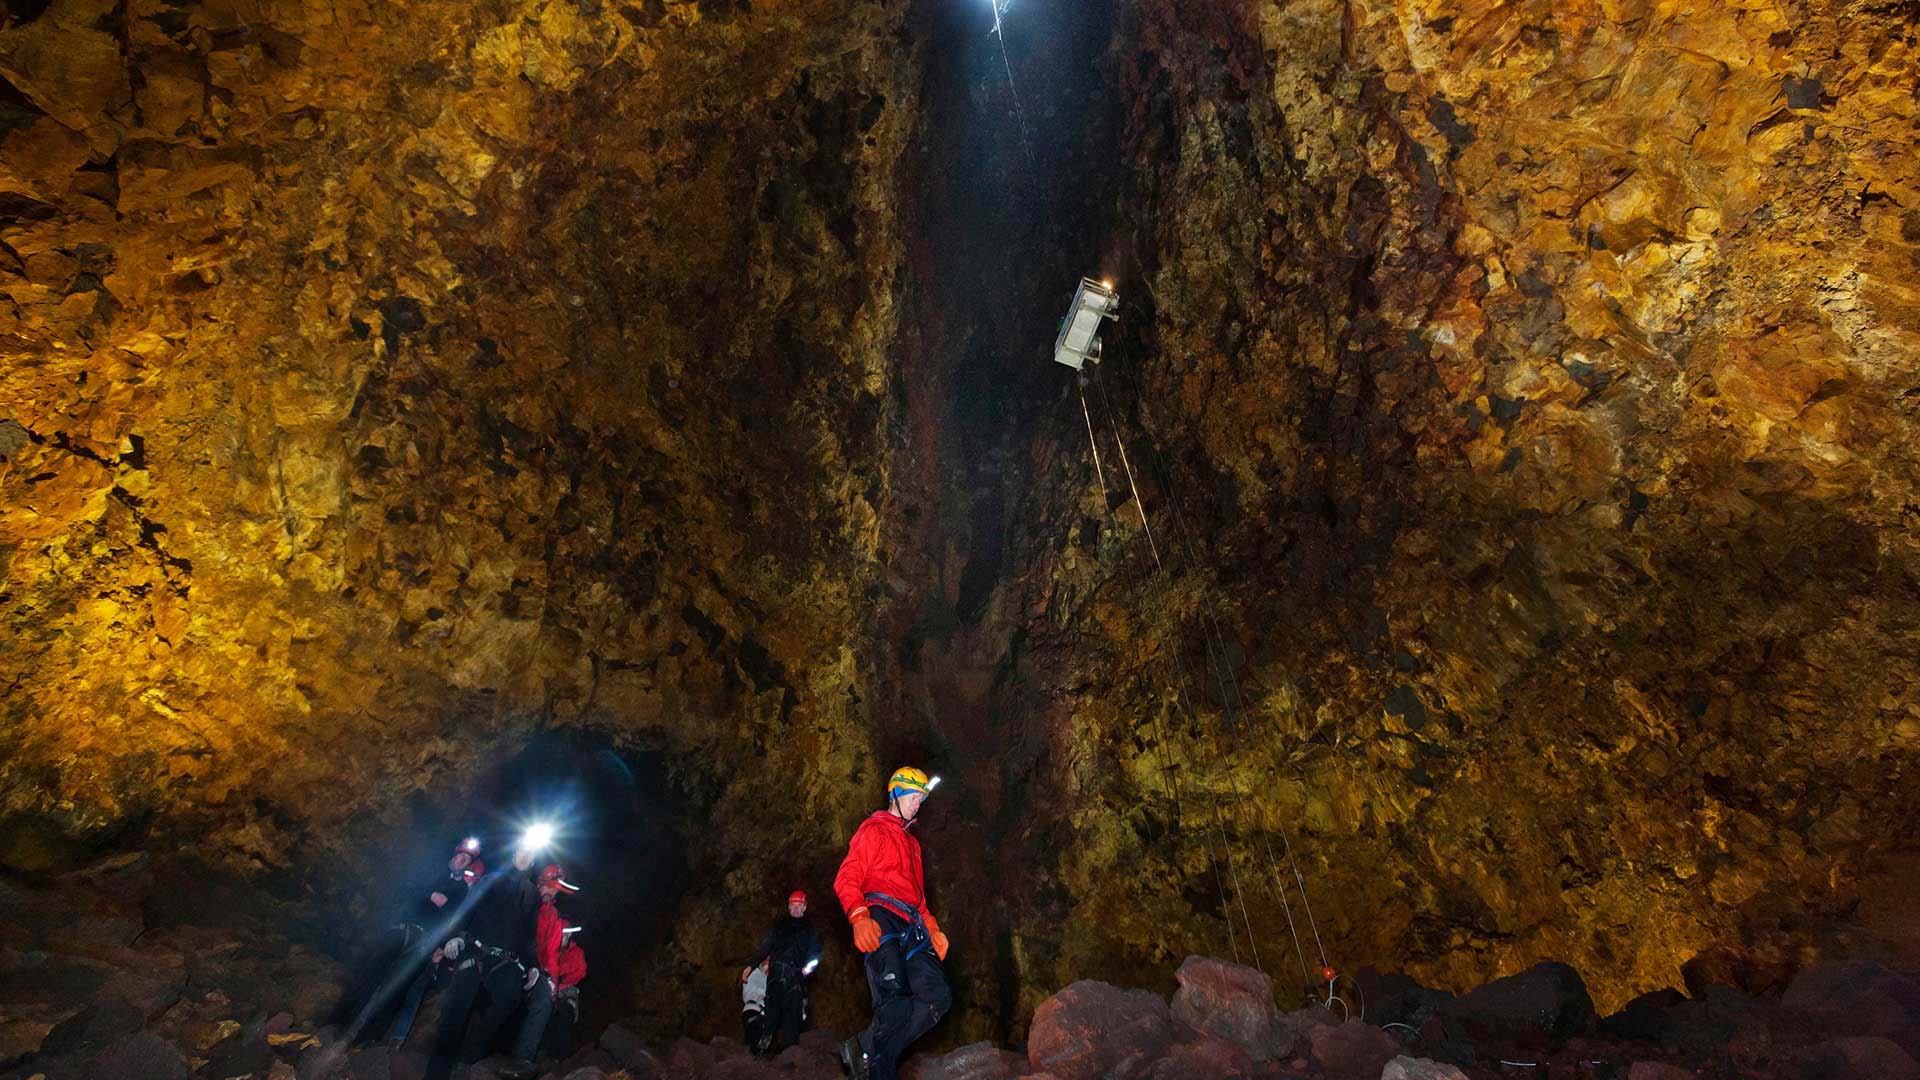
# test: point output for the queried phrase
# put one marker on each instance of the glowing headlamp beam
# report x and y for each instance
(933, 783)
(537, 837)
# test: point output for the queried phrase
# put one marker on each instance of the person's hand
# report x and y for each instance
(439, 899)
(866, 933)
(939, 939)
(745, 973)
(452, 948)
(533, 976)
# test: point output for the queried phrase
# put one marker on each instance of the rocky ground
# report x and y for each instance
(134, 970)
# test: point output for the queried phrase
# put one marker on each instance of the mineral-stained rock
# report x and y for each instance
(1545, 1003)
(1352, 1049)
(1231, 1002)
(1091, 1029)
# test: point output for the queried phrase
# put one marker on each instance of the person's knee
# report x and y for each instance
(938, 996)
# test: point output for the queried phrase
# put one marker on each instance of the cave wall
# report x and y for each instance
(1524, 402)
(383, 383)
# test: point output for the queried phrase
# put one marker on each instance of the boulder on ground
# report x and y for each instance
(1858, 997)
(1547, 1003)
(1857, 1057)
(1231, 1002)
(976, 1061)
(1355, 1048)
(1413, 1068)
(1646, 1018)
(1205, 1058)
(1411, 1006)
(1093, 1031)
(140, 1056)
(629, 1050)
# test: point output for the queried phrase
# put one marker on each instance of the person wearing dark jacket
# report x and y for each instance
(495, 956)
(430, 913)
(441, 912)
(792, 950)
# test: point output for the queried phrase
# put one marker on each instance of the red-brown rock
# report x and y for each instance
(1352, 1049)
(1231, 1002)
(1092, 1030)
(1205, 1058)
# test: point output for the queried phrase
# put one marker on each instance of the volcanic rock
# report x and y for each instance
(1231, 1002)
(1543, 1004)
(1411, 1068)
(976, 1061)
(1352, 1049)
(1091, 1030)
(1857, 1057)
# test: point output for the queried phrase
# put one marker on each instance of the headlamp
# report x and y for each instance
(537, 837)
(811, 964)
(933, 783)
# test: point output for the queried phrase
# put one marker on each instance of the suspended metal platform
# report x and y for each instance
(1079, 340)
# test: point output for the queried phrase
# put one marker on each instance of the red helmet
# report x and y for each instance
(797, 896)
(474, 872)
(470, 846)
(551, 874)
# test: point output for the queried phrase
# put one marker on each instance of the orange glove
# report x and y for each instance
(939, 939)
(866, 932)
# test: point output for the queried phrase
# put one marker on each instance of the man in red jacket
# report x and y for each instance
(881, 886)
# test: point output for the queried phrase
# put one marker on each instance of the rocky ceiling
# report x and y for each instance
(1522, 398)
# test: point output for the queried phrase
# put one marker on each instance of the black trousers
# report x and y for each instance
(909, 989)
(786, 1006)
(558, 1042)
(501, 981)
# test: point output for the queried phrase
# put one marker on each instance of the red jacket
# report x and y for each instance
(570, 966)
(546, 937)
(882, 857)
(566, 966)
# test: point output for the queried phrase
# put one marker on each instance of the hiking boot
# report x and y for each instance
(854, 1059)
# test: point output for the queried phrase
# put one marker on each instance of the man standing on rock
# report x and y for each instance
(793, 947)
(882, 888)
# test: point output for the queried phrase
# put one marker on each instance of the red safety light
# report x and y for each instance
(1327, 973)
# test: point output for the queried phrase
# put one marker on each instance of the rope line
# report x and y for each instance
(1097, 471)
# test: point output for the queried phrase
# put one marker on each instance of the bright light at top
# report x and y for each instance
(537, 836)
(933, 783)
(1105, 283)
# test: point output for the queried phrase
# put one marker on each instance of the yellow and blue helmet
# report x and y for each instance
(907, 780)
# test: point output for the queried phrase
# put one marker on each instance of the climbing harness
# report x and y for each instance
(1077, 345)
(914, 938)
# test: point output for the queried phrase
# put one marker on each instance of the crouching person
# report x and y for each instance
(567, 966)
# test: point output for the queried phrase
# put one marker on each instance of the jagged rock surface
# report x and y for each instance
(1534, 387)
